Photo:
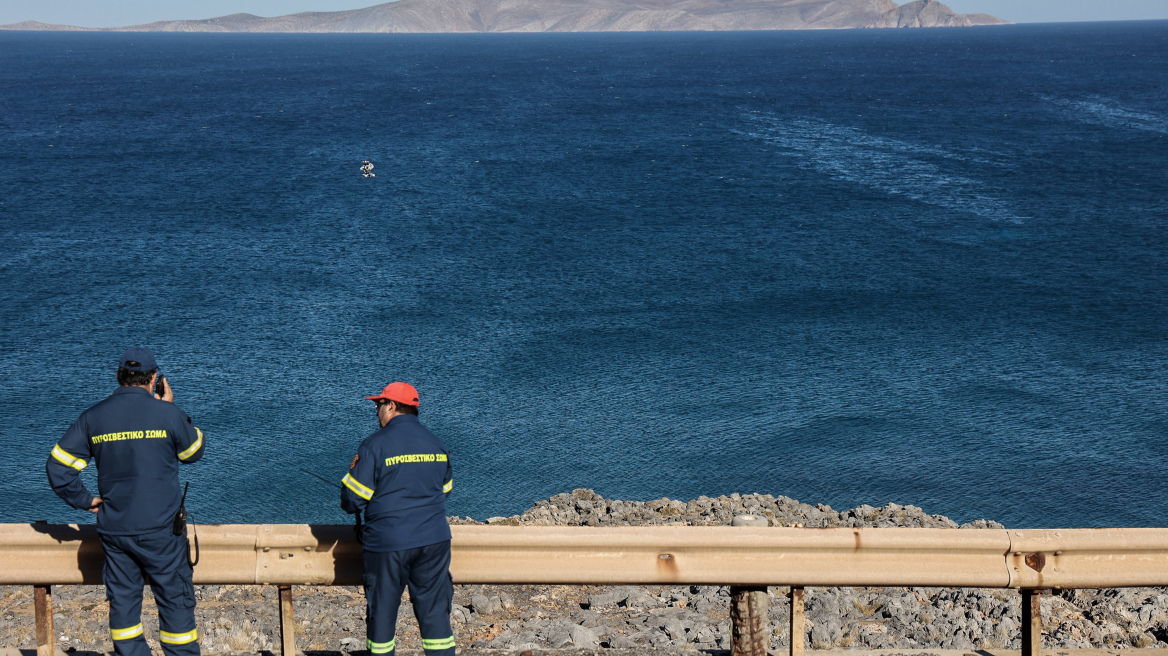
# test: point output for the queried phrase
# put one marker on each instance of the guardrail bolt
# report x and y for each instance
(43, 607)
(750, 632)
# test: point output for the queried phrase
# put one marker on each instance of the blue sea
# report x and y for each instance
(927, 267)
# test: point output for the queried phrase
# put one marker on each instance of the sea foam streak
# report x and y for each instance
(1108, 113)
(892, 166)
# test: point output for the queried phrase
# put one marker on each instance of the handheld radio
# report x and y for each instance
(180, 518)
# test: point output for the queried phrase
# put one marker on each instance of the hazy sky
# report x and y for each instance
(110, 13)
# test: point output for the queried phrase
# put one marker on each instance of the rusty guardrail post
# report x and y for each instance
(287, 628)
(798, 630)
(1031, 622)
(42, 596)
(43, 605)
(749, 628)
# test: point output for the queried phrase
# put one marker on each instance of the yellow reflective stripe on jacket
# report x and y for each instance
(449, 486)
(178, 638)
(194, 447)
(126, 634)
(358, 489)
(441, 643)
(64, 458)
(380, 647)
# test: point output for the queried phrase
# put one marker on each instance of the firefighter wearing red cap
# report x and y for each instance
(400, 478)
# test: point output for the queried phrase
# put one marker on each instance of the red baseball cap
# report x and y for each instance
(398, 393)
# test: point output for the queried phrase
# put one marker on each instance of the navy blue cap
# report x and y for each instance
(142, 359)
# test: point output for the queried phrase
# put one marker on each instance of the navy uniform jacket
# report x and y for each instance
(400, 478)
(138, 442)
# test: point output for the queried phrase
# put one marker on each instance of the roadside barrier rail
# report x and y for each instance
(746, 558)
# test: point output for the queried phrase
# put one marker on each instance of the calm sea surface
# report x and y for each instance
(923, 266)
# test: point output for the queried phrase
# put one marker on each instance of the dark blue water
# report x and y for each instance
(920, 266)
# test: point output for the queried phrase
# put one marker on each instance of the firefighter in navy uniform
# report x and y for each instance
(400, 478)
(137, 440)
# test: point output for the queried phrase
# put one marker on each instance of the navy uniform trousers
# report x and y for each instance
(159, 558)
(426, 570)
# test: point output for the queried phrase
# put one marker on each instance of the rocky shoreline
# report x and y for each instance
(618, 619)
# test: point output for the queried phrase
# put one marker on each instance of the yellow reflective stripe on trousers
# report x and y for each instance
(449, 485)
(178, 638)
(126, 634)
(380, 647)
(358, 489)
(440, 643)
(194, 447)
(68, 460)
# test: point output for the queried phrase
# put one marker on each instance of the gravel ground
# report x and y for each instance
(635, 619)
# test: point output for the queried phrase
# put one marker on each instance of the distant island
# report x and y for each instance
(435, 16)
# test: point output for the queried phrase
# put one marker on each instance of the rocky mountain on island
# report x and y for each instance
(420, 16)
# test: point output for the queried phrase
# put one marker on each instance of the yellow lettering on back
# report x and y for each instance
(128, 435)
(415, 457)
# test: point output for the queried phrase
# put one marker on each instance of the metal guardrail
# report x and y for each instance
(745, 558)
